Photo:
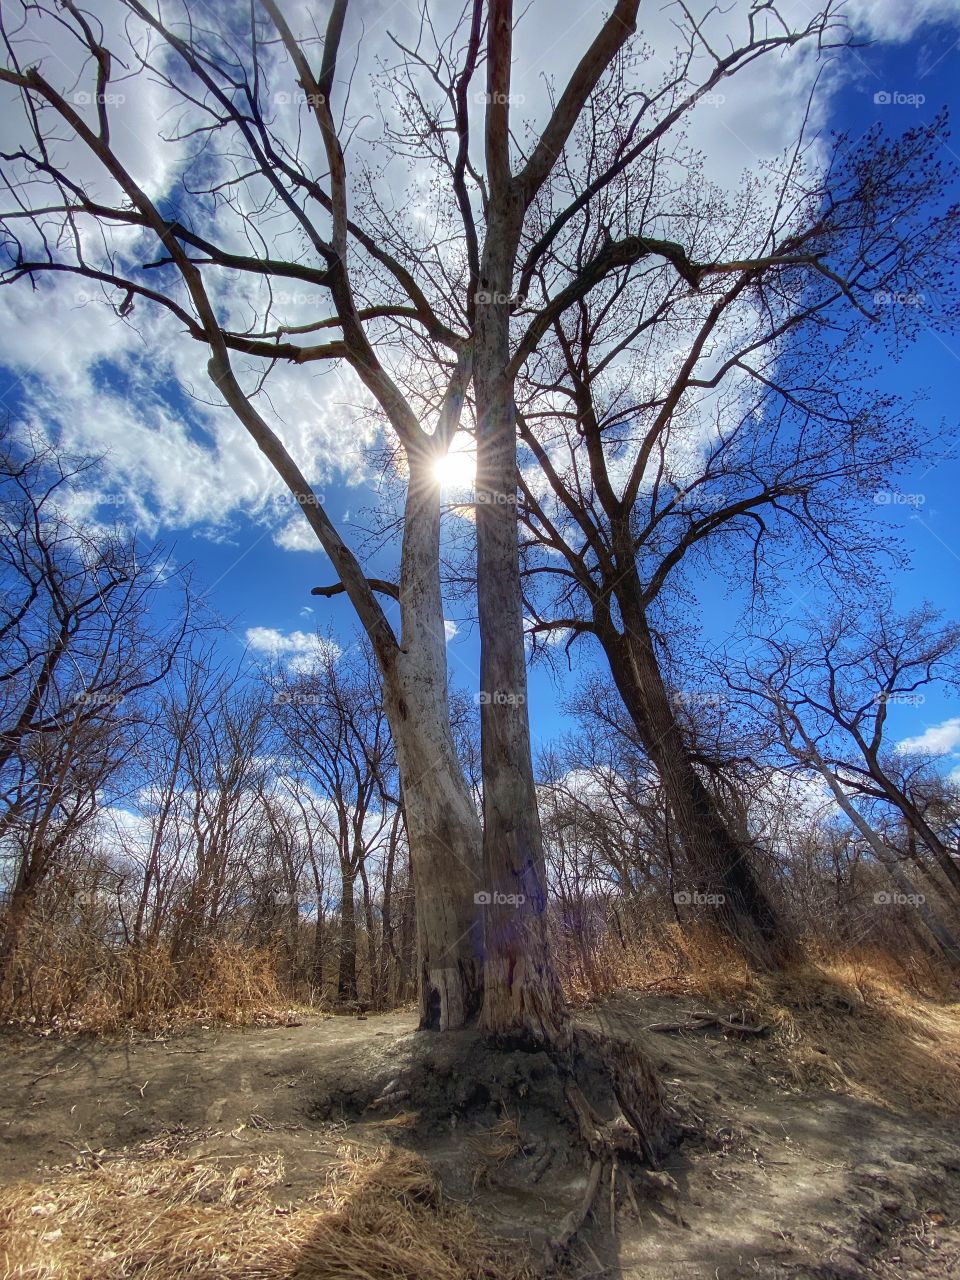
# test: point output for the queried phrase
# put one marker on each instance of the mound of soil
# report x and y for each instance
(763, 1174)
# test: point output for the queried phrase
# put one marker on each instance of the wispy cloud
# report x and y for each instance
(937, 740)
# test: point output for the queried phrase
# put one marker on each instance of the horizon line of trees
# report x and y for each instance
(660, 376)
(154, 796)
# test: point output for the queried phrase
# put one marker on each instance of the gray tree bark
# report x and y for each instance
(522, 994)
(443, 827)
(716, 862)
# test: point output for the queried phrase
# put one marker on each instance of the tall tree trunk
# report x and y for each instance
(16, 914)
(407, 944)
(347, 972)
(316, 959)
(717, 863)
(373, 952)
(442, 824)
(443, 828)
(521, 992)
(388, 951)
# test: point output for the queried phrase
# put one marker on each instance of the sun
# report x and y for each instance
(458, 470)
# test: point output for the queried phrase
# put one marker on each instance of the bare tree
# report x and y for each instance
(335, 726)
(218, 797)
(699, 411)
(825, 700)
(418, 314)
(79, 652)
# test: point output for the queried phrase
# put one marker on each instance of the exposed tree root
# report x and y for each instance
(571, 1223)
(591, 1105)
(633, 1131)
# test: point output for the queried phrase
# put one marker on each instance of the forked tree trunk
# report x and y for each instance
(521, 992)
(443, 828)
(717, 863)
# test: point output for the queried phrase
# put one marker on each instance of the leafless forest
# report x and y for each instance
(666, 383)
(181, 837)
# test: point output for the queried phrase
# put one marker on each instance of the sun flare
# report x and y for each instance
(457, 471)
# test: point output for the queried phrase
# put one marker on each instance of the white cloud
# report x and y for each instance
(299, 650)
(450, 629)
(296, 535)
(176, 462)
(897, 21)
(937, 740)
(171, 461)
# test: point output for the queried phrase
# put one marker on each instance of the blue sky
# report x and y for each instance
(255, 581)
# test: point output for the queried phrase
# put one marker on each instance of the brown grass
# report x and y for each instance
(674, 961)
(381, 1216)
(880, 1024)
(144, 989)
(843, 1024)
(874, 1024)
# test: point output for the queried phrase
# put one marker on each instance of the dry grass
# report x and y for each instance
(381, 1216)
(106, 991)
(882, 1024)
(402, 1120)
(877, 1025)
(500, 1142)
(689, 961)
(845, 1025)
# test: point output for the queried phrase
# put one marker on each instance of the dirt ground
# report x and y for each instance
(768, 1175)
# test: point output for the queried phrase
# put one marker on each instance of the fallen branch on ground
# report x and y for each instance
(700, 1021)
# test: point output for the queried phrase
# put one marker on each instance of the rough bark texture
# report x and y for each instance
(716, 862)
(16, 915)
(442, 824)
(522, 994)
